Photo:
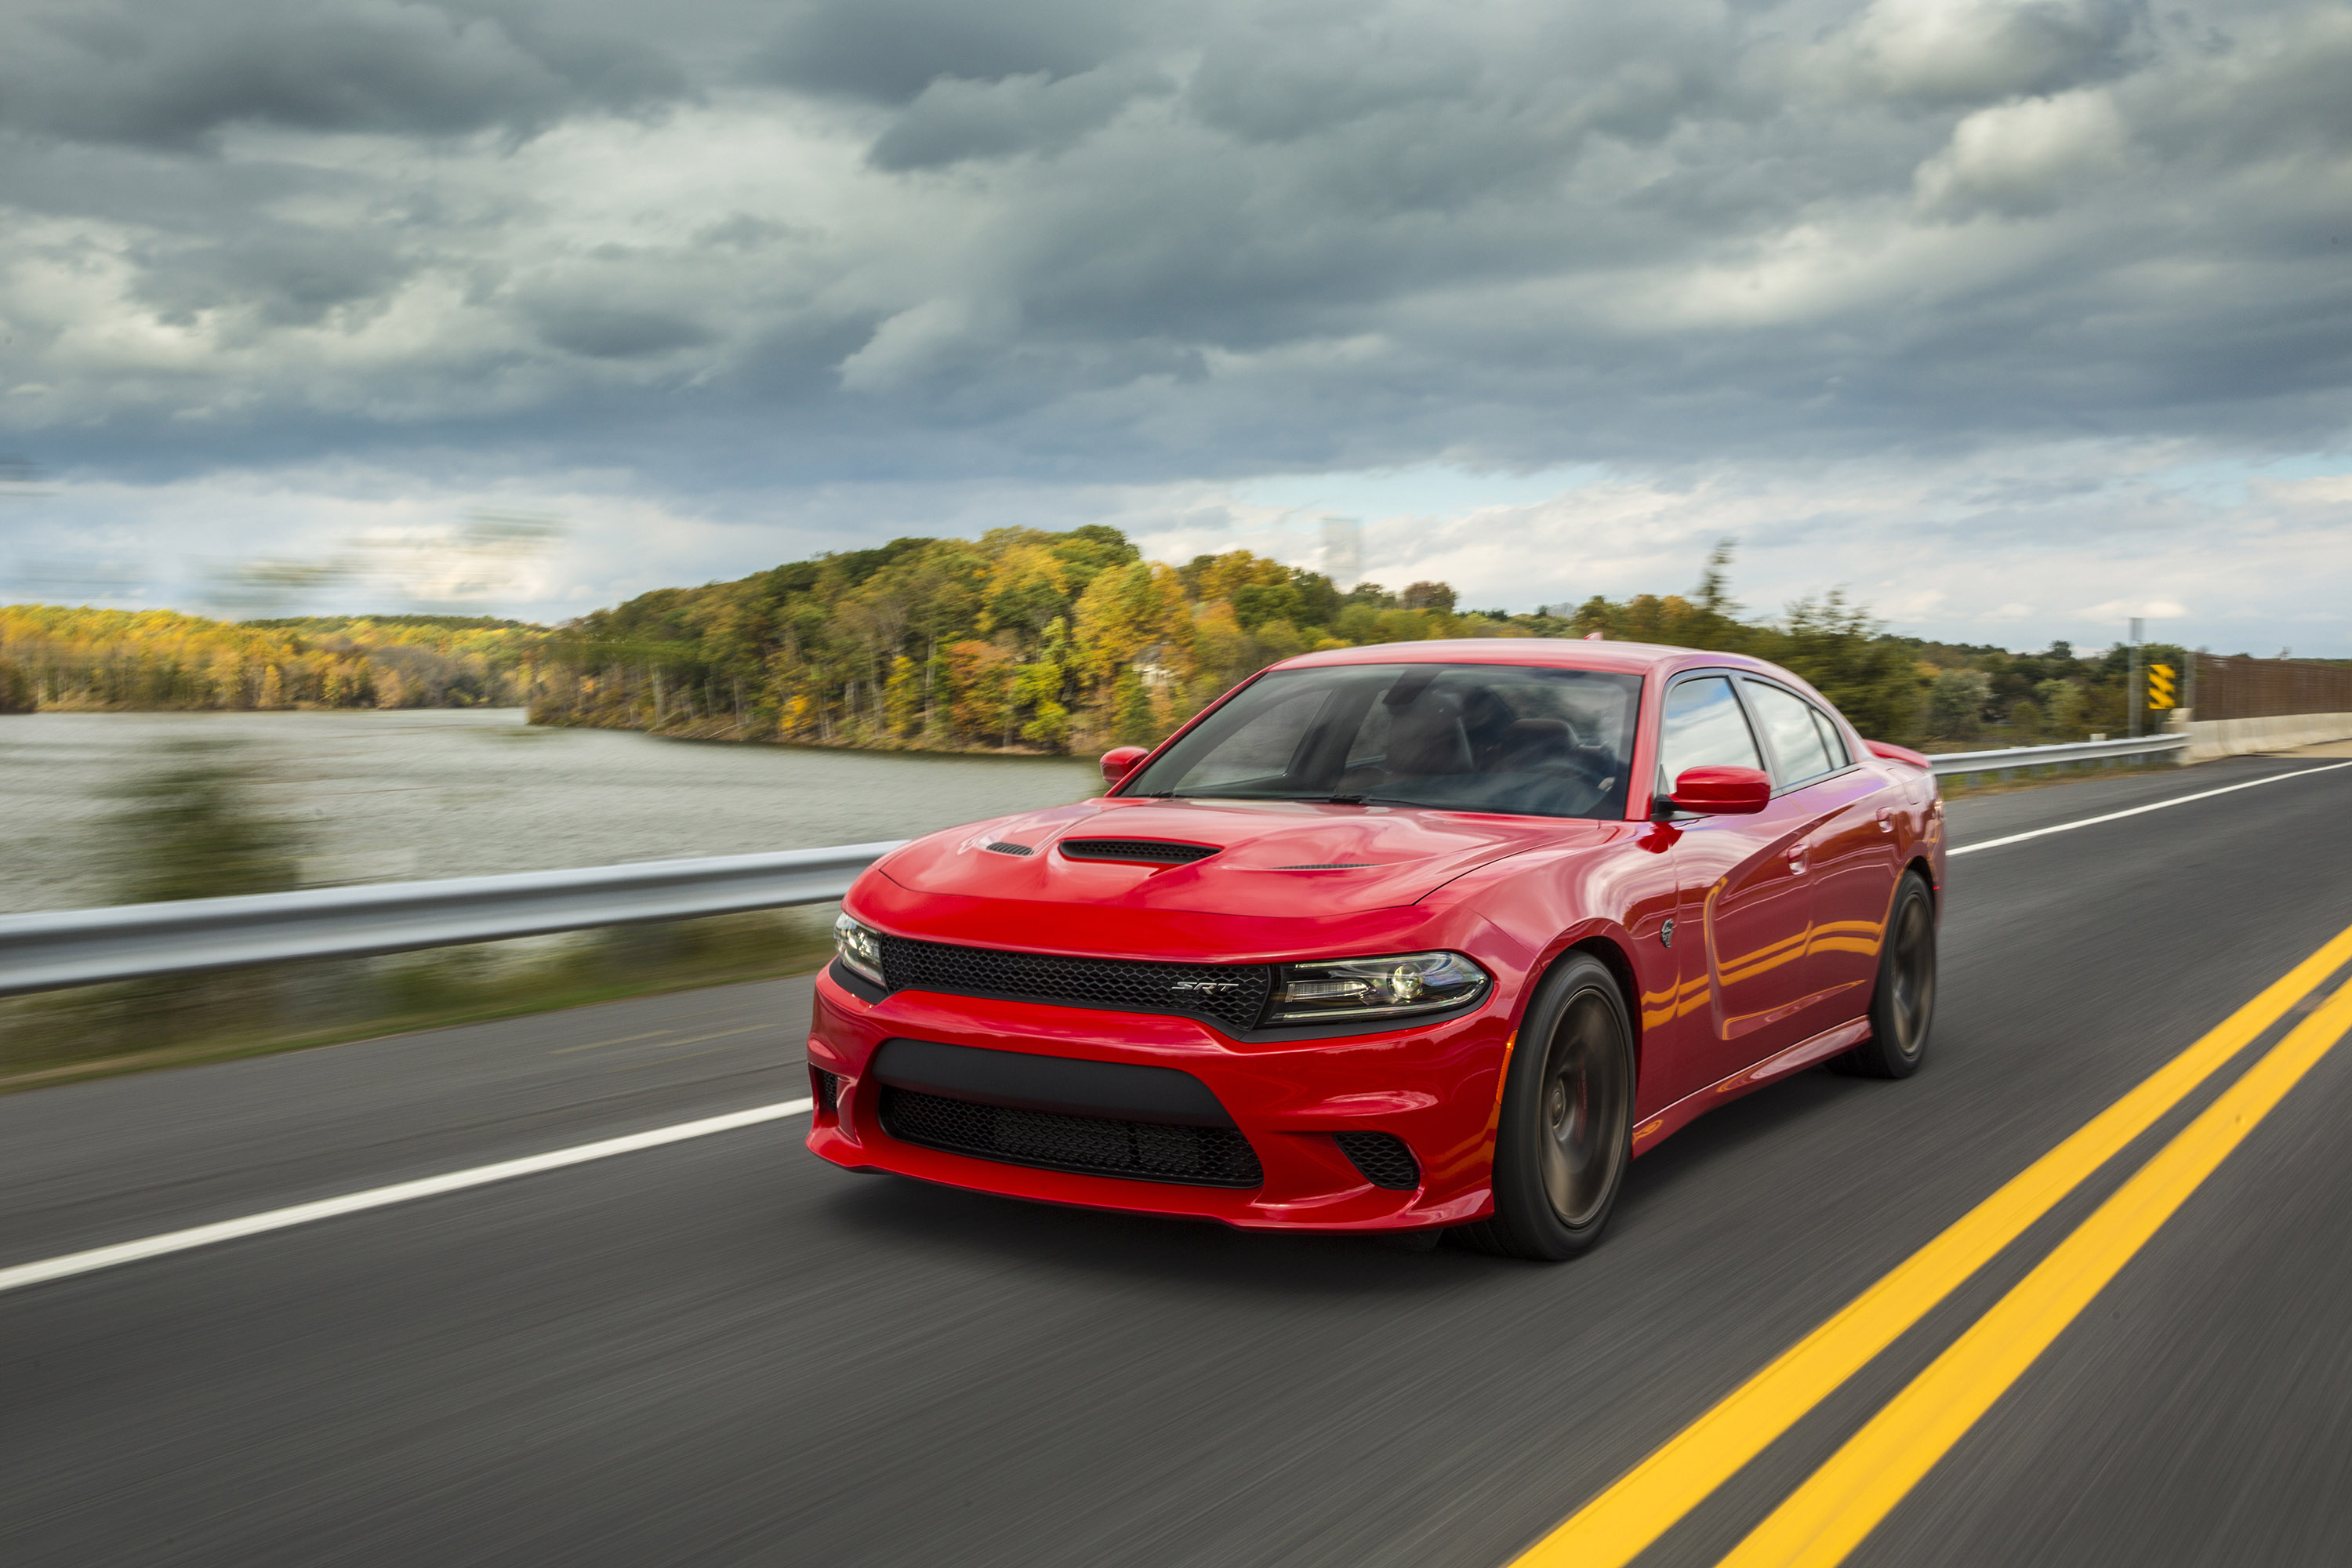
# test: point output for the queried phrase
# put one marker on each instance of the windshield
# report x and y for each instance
(1464, 737)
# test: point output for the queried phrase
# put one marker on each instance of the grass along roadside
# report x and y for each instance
(1964, 787)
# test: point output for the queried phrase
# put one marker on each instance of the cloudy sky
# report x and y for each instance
(2013, 318)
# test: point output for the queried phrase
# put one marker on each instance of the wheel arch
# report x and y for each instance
(1926, 869)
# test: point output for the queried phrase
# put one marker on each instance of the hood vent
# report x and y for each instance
(1011, 849)
(1330, 866)
(1147, 851)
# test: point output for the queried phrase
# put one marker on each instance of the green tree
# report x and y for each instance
(16, 694)
(1848, 660)
(194, 829)
(2063, 703)
(1956, 704)
(1132, 722)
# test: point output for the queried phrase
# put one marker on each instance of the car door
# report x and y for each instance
(1850, 850)
(1742, 891)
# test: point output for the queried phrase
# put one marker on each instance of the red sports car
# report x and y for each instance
(1430, 935)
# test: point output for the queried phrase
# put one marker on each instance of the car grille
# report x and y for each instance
(1144, 1150)
(1119, 985)
(1158, 851)
(1381, 1158)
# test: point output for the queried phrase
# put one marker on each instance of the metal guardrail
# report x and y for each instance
(1949, 764)
(57, 949)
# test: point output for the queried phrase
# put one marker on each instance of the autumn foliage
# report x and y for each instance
(1019, 640)
(55, 657)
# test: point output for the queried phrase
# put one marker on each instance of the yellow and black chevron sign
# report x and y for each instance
(2160, 686)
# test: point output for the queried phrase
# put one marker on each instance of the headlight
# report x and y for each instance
(859, 948)
(1374, 987)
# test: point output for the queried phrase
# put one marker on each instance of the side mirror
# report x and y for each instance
(1722, 791)
(1120, 761)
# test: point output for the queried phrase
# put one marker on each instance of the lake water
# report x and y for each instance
(452, 792)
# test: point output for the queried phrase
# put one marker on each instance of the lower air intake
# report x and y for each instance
(826, 1091)
(1381, 1158)
(1143, 1151)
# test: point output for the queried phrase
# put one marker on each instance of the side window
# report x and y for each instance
(1832, 740)
(1703, 725)
(1790, 728)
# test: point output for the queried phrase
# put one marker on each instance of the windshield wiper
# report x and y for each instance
(1341, 799)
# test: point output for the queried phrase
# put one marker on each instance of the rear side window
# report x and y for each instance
(1831, 739)
(1704, 726)
(1793, 731)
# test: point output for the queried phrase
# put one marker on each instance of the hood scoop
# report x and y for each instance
(1001, 848)
(1137, 851)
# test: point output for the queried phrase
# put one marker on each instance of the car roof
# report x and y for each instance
(1613, 657)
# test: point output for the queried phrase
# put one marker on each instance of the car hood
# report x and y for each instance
(1270, 858)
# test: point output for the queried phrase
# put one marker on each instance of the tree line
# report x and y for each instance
(1021, 640)
(56, 657)
(1026, 641)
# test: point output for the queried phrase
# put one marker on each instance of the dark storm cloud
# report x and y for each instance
(596, 329)
(890, 50)
(1146, 242)
(171, 73)
(284, 274)
(956, 118)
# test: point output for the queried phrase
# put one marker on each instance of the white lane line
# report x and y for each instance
(661, 1035)
(600, 1045)
(2135, 810)
(98, 1257)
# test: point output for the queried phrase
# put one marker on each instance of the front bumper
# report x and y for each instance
(1436, 1086)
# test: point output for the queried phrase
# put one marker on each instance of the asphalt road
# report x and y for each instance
(721, 1350)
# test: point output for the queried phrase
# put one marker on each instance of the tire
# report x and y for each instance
(1566, 1128)
(1903, 1002)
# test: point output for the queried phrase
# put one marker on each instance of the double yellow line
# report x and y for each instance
(1843, 1500)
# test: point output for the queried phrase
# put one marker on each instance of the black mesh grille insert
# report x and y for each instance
(827, 1088)
(1145, 1150)
(1383, 1157)
(1158, 851)
(1002, 849)
(1229, 993)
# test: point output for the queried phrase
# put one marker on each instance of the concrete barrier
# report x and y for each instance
(2212, 738)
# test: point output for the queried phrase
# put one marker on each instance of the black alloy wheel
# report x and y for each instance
(1903, 1003)
(1566, 1133)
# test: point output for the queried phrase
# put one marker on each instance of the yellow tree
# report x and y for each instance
(1124, 613)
